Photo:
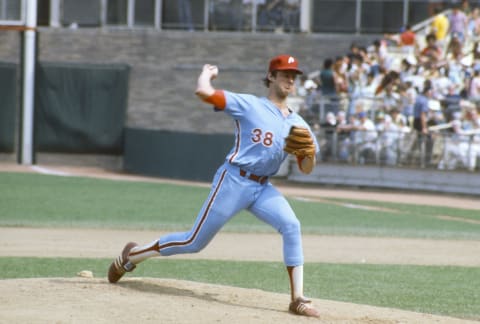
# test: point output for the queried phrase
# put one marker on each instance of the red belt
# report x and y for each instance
(254, 177)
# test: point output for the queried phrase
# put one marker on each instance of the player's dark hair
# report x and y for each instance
(266, 81)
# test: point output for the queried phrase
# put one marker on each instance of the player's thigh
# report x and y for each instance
(272, 208)
(227, 197)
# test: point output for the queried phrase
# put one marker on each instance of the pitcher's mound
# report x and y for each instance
(148, 300)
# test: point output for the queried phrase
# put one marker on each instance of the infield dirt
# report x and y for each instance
(149, 300)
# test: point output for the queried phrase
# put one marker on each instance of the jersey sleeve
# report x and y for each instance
(237, 104)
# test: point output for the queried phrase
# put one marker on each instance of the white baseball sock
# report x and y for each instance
(141, 253)
(296, 281)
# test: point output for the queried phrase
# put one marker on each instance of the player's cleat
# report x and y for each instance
(301, 306)
(121, 264)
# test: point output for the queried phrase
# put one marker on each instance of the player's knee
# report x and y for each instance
(195, 247)
(292, 227)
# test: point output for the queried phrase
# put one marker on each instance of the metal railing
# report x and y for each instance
(440, 150)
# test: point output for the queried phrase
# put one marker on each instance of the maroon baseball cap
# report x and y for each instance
(284, 62)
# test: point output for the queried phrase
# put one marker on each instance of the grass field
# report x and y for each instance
(34, 200)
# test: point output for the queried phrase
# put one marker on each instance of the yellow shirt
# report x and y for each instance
(440, 26)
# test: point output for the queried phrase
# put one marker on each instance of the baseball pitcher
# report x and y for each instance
(266, 131)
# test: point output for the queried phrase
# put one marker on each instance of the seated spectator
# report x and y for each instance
(344, 137)
(390, 99)
(474, 88)
(328, 140)
(407, 99)
(431, 54)
(340, 76)
(388, 140)
(456, 148)
(389, 79)
(408, 68)
(311, 106)
(365, 137)
(451, 102)
(367, 90)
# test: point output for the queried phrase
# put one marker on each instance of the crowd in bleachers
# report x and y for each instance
(412, 98)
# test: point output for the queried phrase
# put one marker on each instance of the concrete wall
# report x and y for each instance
(460, 182)
(165, 66)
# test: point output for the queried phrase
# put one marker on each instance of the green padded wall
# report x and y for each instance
(179, 155)
(80, 108)
(8, 106)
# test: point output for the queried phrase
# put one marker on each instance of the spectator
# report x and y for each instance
(311, 102)
(451, 102)
(344, 141)
(471, 124)
(409, 95)
(458, 22)
(327, 80)
(354, 50)
(456, 148)
(379, 55)
(408, 40)
(440, 26)
(474, 88)
(340, 75)
(390, 99)
(388, 140)
(431, 54)
(407, 68)
(328, 128)
(474, 24)
(424, 142)
(367, 90)
(420, 109)
(365, 137)
(465, 7)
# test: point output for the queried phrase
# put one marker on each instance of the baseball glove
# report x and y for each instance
(299, 142)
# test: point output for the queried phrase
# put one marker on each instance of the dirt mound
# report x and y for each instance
(146, 300)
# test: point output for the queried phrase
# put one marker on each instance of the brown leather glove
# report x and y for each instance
(299, 142)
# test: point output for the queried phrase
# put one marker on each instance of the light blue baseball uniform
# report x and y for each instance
(260, 130)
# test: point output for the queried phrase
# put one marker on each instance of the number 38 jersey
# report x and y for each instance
(260, 131)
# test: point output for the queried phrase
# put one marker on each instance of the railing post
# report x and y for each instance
(422, 150)
(358, 16)
(334, 145)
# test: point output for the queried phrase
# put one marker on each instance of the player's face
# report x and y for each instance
(285, 81)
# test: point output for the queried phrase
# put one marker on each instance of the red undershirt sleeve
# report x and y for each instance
(217, 99)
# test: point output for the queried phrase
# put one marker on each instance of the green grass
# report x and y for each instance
(437, 290)
(35, 200)
(52, 201)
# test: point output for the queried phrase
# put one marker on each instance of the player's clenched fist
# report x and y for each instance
(211, 70)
